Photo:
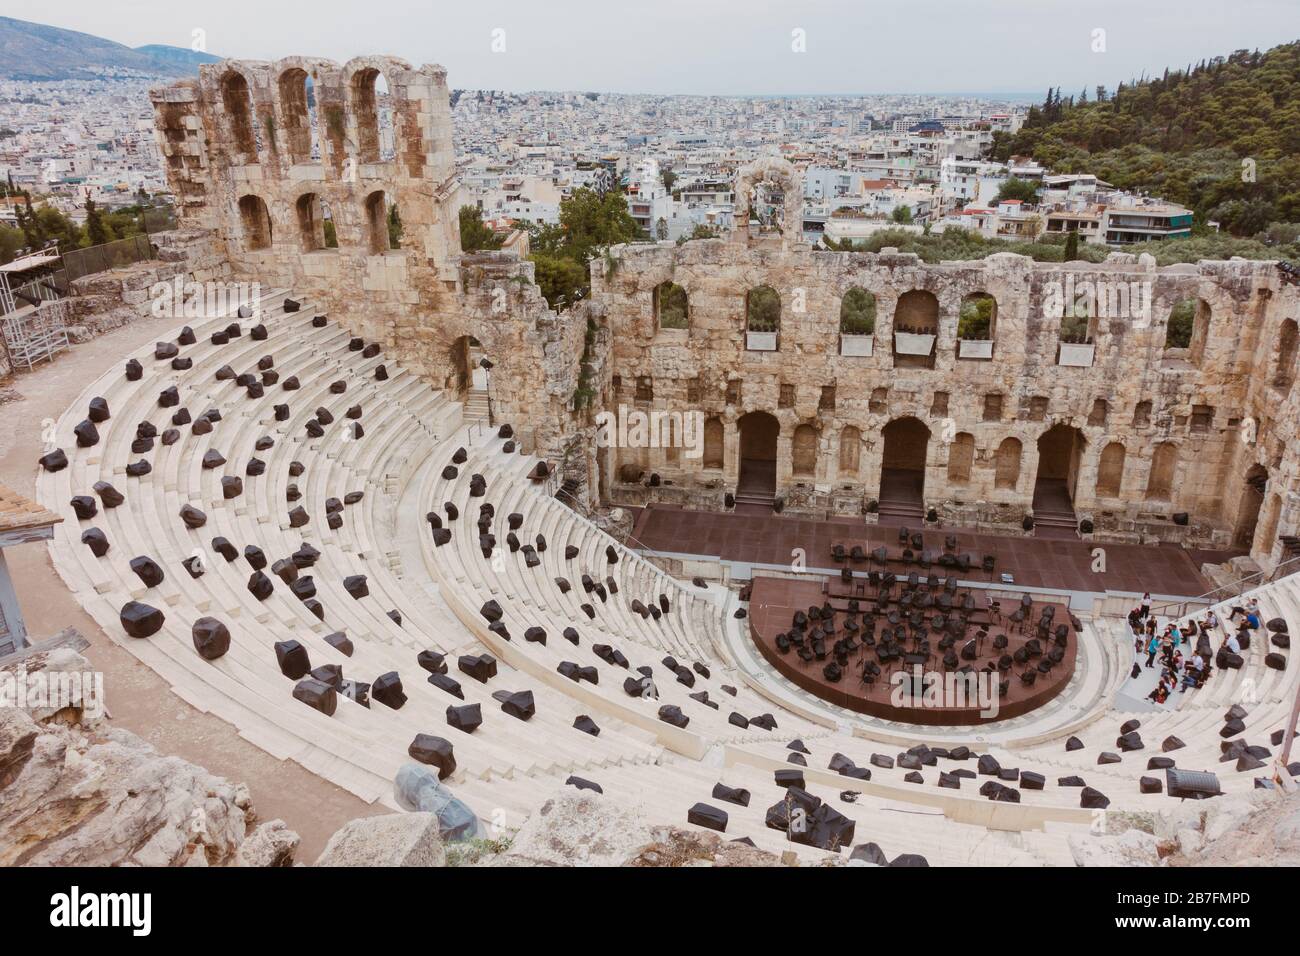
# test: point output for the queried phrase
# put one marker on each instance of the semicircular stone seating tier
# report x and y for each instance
(291, 530)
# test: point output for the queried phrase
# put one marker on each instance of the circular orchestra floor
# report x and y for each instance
(973, 649)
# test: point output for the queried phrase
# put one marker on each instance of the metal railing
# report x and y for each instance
(110, 255)
(554, 489)
(1225, 592)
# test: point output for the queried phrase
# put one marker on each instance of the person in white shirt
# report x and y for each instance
(1232, 644)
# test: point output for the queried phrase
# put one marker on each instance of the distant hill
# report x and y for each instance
(33, 51)
(1221, 136)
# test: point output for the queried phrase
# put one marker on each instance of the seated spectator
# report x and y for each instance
(1251, 606)
(1233, 644)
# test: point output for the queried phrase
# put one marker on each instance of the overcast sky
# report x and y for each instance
(713, 46)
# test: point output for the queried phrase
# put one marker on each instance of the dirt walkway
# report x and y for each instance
(137, 698)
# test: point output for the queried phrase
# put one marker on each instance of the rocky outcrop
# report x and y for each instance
(583, 828)
(395, 839)
(271, 844)
(579, 828)
(1259, 829)
(90, 795)
(1264, 831)
(676, 847)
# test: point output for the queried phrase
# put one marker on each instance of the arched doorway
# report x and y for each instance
(1059, 451)
(468, 378)
(1252, 500)
(758, 436)
(902, 468)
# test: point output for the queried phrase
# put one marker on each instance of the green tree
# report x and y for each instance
(394, 229)
(762, 310)
(975, 321)
(96, 232)
(562, 280)
(589, 224)
(475, 236)
(11, 241)
(857, 312)
(1071, 247)
(1021, 189)
(902, 215)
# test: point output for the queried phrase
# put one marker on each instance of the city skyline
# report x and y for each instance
(931, 48)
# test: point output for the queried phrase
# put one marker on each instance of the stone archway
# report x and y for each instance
(759, 432)
(1059, 451)
(787, 218)
(467, 378)
(1252, 501)
(902, 468)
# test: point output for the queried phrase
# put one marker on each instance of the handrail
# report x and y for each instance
(1236, 589)
(583, 511)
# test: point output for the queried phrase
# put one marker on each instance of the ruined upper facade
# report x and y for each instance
(818, 376)
(288, 170)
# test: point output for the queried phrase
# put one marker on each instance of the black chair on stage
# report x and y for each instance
(950, 543)
(989, 563)
(918, 542)
(903, 534)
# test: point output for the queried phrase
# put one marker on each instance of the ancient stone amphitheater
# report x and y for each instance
(317, 516)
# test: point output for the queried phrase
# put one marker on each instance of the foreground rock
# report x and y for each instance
(578, 828)
(677, 847)
(104, 797)
(394, 839)
(76, 792)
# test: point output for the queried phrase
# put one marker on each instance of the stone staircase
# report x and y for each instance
(477, 408)
(1055, 523)
(755, 499)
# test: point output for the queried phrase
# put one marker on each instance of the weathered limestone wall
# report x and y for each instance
(1194, 424)
(708, 368)
(238, 144)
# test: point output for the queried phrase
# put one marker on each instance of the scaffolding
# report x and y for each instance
(37, 333)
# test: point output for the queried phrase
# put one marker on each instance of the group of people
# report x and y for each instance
(1184, 652)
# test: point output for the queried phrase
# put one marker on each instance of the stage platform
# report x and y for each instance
(1032, 562)
(774, 602)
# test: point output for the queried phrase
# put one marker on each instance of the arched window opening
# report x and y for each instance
(961, 456)
(256, 221)
(238, 104)
(803, 452)
(1007, 464)
(671, 306)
